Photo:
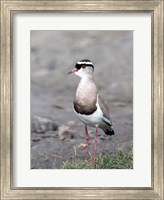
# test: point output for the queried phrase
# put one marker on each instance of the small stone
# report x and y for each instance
(71, 123)
(102, 138)
(81, 146)
(42, 125)
(64, 132)
(35, 139)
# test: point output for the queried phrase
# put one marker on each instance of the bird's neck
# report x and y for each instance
(87, 78)
(86, 86)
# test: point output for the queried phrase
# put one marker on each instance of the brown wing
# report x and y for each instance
(105, 109)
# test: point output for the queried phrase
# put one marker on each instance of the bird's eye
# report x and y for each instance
(83, 66)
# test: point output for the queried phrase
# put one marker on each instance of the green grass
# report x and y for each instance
(118, 160)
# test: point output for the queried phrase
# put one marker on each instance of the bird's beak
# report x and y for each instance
(73, 71)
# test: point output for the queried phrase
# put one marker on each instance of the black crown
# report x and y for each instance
(84, 63)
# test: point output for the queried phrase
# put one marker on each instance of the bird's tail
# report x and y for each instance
(108, 128)
(109, 132)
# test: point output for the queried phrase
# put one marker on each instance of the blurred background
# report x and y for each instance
(56, 134)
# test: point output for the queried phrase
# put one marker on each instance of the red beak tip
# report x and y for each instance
(74, 70)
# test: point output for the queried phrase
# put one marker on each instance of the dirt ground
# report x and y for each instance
(53, 55)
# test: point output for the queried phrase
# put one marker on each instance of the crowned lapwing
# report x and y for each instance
(89, 105)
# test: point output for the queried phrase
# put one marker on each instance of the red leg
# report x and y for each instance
(87, 143)
(95, 146)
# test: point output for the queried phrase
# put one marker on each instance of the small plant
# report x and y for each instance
(118, 160)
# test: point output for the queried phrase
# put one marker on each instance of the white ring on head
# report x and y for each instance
(85, 63)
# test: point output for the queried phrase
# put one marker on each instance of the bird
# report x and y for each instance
(89, 106)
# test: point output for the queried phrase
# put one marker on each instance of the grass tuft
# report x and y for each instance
(118, 160)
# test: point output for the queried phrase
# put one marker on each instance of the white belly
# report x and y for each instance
(94, 119)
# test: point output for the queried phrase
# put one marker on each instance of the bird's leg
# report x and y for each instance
(95, 145)
(87, 143)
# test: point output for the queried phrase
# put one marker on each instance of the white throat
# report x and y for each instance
(82, 74)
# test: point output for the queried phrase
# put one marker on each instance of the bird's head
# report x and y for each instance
(83, 68)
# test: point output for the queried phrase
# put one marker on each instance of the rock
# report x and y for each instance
(71, 123)
(64, 132)
(57, 106)
(81, 146)
(36, 139)
(42, 125)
